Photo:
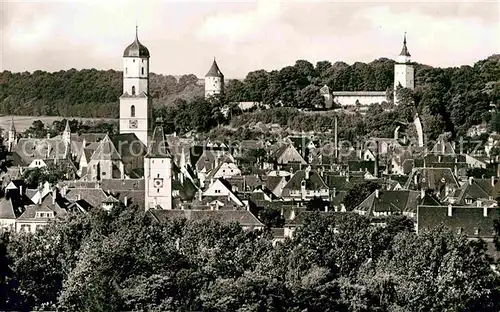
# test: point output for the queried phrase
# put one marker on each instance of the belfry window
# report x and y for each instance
(133, 90)
(132, 111)
(142, 70)
(126, 70)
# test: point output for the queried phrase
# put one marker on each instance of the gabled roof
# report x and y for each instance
(7, 209)
(158, 145)
(28, 149)
(214, 71)
(315, 182)
(106, 151)
(391, 201)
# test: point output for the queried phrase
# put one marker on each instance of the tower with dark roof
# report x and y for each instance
(135, 103)
(158, 172)
(403, 71)
(214, 81)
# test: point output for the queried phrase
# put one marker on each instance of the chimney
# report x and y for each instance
(415, 178)
(376, 193)
(478, 203)
(326, 208)
(21, 190)
(48, 135)
(347, 176)
(334, 192)
(422, 193)
(200, 195)
(450, 210)
(375, 169)
(78, 197)
(307, 171)
(64, 190)
(440, 158)
(492, 181)
(125, 201)
(54, 195)
(485, 212)
(470, 180)
(456, 171)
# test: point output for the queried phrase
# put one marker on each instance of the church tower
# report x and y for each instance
(403, 71)
(158, 172)
(214, 81)
(11, 142)
(135, 103)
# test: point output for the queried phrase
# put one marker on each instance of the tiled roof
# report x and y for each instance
(106, 151)
(214, 71)
(431, 178)
(315, 182)
(273, 181)
(131, 150)
(7, 209)
(391, 201)
(158, 145)
(468, 219)
(110, 185)
(28, 149)
(244, 217)
(93, 196)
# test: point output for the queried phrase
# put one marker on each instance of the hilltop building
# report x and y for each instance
(404, 75)
(214, 81)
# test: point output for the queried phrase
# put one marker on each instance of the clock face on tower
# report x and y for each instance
(158, 182)
(132, 123)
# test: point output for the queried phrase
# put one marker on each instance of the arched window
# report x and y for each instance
(142, 70)
(132, 111)
(133, 90)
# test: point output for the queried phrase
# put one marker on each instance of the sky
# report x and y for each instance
(184, 36)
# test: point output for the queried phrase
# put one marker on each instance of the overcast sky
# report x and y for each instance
(184, 36)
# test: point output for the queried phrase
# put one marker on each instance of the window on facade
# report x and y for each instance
(142, 70)
(126, 70)
(132, 108)
(133, 90)
(103, 173)
(158, 175)
(25, 228)
(157, 190)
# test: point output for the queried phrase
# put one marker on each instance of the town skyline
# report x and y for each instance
(184, 37)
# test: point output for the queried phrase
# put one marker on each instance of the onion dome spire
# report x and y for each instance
(136, 49)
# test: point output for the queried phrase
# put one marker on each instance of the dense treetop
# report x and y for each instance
(122, 261)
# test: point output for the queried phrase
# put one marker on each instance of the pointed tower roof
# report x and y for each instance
(214, 71)
(106, 151)
(67, 128)
(136, 49)
(158, 146)
(404, 50)
(12, 128)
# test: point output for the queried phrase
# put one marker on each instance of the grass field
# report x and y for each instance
(24, 122)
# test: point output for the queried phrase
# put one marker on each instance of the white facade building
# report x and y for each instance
(403, 71)
(135, 103)
(158, 172)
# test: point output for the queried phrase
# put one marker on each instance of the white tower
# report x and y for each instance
(12, 136)
(158, 172)
(135, 103)
(403, 71)
(214, 81)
